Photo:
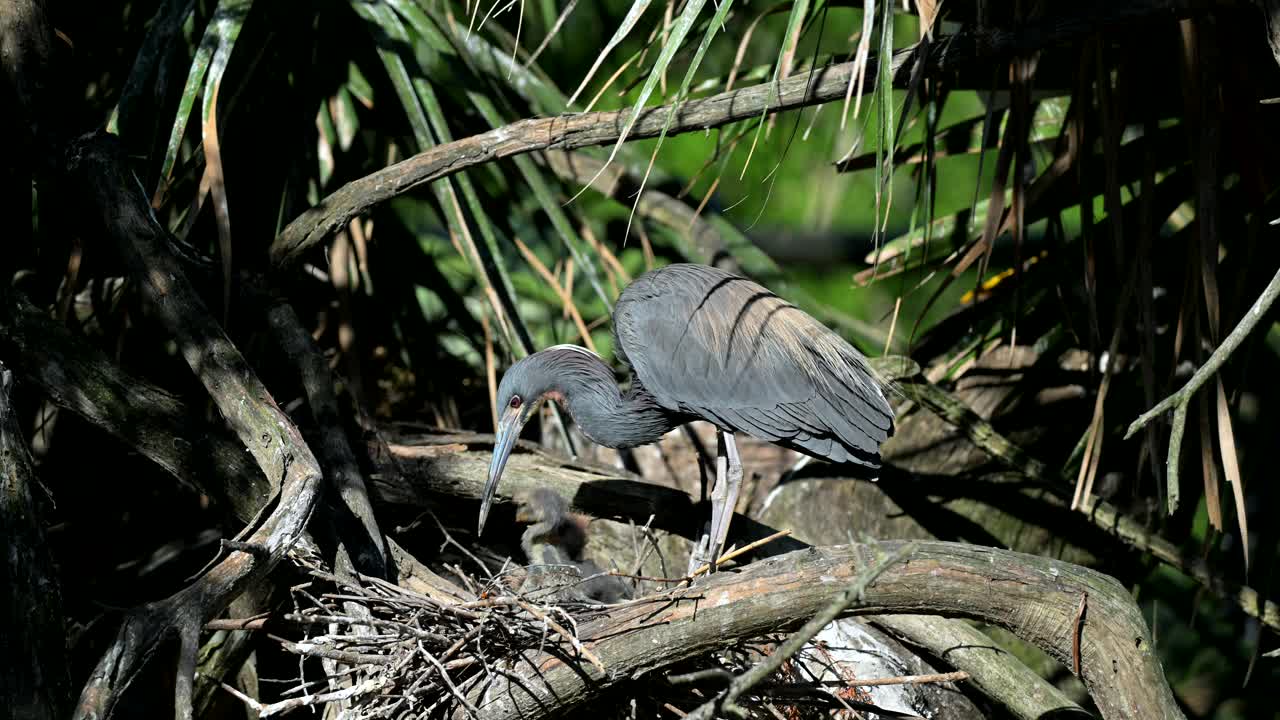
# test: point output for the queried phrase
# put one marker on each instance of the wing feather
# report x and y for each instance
(718, 346)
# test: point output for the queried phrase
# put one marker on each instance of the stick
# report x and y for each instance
(735, 553)
(1179, 400)
(568, 636)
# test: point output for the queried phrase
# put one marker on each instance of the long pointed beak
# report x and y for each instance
(509, 427)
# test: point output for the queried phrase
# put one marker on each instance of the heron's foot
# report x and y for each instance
(701, 553)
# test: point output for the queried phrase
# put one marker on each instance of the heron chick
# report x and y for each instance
(704, 344)
(553, 543)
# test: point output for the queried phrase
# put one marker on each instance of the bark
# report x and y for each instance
(34, 683)
(225, 652)
(992, 669)
(1037, 598)
(113, 203)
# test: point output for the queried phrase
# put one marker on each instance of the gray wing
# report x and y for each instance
(715, 345)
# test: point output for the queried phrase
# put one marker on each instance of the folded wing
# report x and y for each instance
(712, 344)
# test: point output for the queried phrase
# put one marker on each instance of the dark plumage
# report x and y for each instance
(706, 344)
(712, 345)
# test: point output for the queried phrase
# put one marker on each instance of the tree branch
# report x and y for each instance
(358, 534)
(75, 375)
(1102, 513)
(1179, 400)
(34, 682)
(112, 196)
(847, 599)
(991, 668)
(1036, 598)
(569, 132)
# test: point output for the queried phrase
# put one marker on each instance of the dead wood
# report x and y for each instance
(991, 668)
(77, 376)
(114, 204)
(848, 599)
(224, 653)
(361, 546)
(1033, 597)
(34, 682)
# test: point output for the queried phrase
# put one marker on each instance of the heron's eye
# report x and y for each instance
(515, 401)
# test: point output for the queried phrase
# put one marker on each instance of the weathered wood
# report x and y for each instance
(76, 376)
(161, 427)
(991, 668)
(34, 683)
(358, 535)
(1036, 598)
(225, 652)
(113, 203)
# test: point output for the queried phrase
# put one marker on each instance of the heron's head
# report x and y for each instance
(524, 387)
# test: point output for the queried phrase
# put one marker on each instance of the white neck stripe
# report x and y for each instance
(575, 348)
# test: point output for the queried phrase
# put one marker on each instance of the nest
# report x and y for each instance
(388, 651)
(392, 652)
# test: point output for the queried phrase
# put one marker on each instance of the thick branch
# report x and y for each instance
(569, 132)
(33, 673)
(991, 668)
(844, 601)
(1036, 598)
(357, 529)
(112, 196)
(77, 376)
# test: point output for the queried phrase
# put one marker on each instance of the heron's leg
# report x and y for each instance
(704, 549)
(726, 494)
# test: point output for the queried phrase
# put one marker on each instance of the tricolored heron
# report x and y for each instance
(704, 344)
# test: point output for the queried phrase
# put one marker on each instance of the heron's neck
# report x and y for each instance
(605, 415)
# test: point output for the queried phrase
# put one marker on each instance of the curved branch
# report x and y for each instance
(569, 132)
(114, 199)
(1034, 597)
(36, 684)
(846, 600)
